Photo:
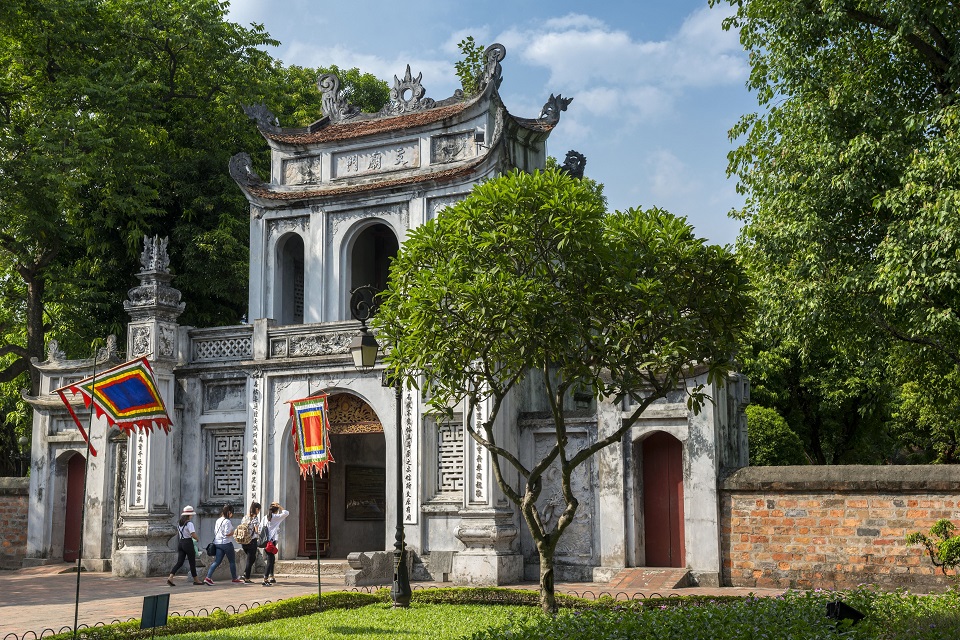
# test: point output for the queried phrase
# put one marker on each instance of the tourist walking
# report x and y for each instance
(269, 529)
(248, 537)
(223, 541)
(186, 547)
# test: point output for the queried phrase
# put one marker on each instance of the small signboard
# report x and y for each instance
(155, 610)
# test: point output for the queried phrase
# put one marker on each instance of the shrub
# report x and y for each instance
(942, 546)
(772, 442)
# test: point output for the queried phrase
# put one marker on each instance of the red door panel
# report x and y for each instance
(308, 539)
(663, 501)
(73, 520)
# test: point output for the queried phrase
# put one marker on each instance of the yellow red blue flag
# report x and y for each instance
(311, 434)
(126, 395)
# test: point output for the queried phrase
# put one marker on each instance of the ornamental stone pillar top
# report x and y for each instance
(154, 306)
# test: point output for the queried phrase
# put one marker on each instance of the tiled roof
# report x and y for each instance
(359, 128)
(440, 176)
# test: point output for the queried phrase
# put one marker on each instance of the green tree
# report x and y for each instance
(118, 119)
(850, 172)
(471, 66)
(296, 99)
(772, 443)
(530, 276)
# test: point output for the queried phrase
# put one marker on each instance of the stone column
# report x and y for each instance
(488, 523)
(151, 503)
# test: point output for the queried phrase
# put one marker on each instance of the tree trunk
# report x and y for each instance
(548, 599)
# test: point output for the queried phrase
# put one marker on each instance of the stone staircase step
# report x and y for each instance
(306, 566)
(650, 579)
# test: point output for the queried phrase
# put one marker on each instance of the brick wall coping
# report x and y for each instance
(14, 486)
(813, 478)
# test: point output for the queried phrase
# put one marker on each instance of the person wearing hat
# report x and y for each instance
(186, 534)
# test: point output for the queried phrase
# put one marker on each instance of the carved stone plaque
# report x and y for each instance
(577, 540)
(382, 159)
(452, 147)
(301, 170)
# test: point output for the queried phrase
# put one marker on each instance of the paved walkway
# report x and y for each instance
(43, 598)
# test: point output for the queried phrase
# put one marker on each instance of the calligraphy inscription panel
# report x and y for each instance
(382, 159)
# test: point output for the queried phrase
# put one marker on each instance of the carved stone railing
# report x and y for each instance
(221, 344)
(263, 340)
(309, 340)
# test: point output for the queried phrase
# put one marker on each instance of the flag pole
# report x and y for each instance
(83, 504)
(316, 533)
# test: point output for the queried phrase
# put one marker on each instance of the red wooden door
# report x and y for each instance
(73, 520)
(663, 501)
(308, 539)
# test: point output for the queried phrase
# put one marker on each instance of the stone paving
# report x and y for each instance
(43, 598)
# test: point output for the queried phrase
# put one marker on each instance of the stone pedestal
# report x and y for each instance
(489, 558)
(144, 545)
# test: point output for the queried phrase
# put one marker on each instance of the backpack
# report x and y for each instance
(244, 532)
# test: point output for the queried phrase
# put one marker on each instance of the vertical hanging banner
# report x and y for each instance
(126, 395)
(311, 434)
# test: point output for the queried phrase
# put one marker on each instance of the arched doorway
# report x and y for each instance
(289, 284)
(663, 501)
(73, 517)
(351, 498)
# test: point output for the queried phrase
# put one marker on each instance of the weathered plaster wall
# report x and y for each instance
(13, 521)
(834, 527)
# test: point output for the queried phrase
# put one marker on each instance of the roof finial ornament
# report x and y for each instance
(241, 170)
(552, 108)
(335, 105)
(407, 95)
(154, 256)
(493, 54)
(574, 164)
(264, 118)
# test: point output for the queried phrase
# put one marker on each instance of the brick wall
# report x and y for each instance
(13, 521)
(834, 527)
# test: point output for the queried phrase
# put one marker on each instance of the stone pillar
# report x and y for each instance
(151, 503)
(611, 494)
(488, 524)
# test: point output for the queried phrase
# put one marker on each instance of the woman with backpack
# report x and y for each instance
(247, 535)
(186, 535)
(223, 541)
(269, 530)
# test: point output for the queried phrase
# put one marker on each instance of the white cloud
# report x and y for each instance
(668, 176)
(438, 75)
(579, 49)
(573, 21)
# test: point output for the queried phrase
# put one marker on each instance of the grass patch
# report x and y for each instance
(793, 616)
(374, 622)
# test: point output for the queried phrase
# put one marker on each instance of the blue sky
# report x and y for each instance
(656, 85)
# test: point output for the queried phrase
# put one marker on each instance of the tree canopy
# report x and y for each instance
(852, 227)
(530, 275)
(117, 120)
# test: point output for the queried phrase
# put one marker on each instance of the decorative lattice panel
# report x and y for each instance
(223, 349)
(298, 294)
(227, 465)
(450, 457)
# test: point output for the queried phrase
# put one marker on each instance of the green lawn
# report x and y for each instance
(793, 616)
(374, 621)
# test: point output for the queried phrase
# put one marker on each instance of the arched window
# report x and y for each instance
(288, 301)
(370, 259)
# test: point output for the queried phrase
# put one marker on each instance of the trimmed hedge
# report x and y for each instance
(289, 608)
